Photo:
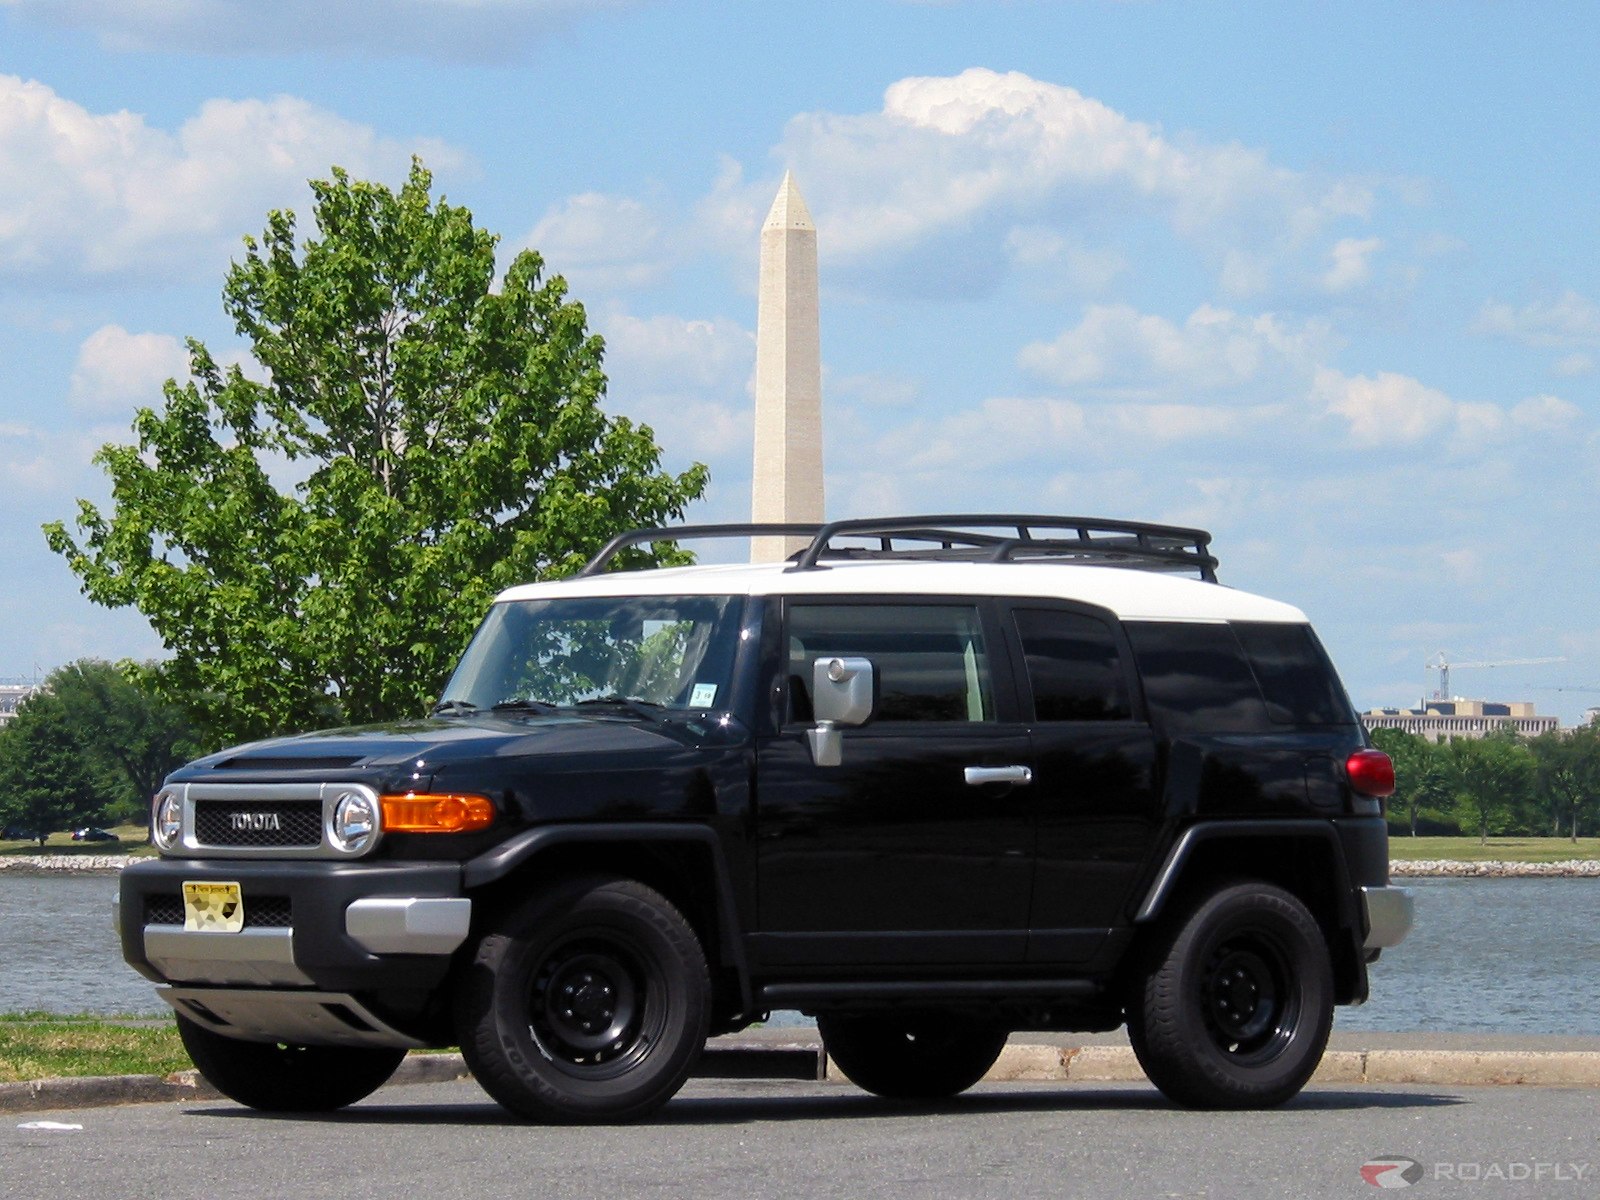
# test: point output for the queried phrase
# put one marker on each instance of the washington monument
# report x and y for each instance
(787, 483)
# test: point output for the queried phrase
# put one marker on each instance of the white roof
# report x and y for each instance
(1132, 594)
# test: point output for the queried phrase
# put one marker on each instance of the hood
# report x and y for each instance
(422, 746)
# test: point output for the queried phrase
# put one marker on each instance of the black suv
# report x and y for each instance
(931, 780)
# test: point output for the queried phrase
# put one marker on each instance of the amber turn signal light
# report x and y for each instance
(432, 812)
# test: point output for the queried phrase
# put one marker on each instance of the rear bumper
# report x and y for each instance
(1388, 912)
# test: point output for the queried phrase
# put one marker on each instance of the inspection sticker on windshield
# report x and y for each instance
(213, 907)
(703, 696)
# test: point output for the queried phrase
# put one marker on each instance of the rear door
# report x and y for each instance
(1094, 760)
(904, 854)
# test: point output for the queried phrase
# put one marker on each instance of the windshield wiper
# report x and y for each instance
(448, 708)
(648, 709)
(524, 704)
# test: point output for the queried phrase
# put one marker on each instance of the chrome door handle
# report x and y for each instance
(978, 776)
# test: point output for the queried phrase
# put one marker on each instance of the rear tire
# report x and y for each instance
(281, 1078)
(590, 1003)
(1237, 1005)
(911, 1056)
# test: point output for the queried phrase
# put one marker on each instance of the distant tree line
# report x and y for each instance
(90, 747)
(1500, 785)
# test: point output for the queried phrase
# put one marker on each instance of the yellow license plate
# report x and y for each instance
(213, 907)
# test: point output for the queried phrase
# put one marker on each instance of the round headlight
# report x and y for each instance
(355, 821)
(167, 824)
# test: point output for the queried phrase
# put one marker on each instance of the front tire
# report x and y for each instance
(911, 1056)
(1237, 1004)
(590, 1003)
(282, 1078)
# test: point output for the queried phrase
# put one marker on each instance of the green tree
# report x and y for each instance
(95, 738)
(47, 782)
(1421, 776)
(320, 546)
(131, 736)
(1490, 777)
(1567, 776)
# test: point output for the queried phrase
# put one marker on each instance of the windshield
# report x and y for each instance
(672, 651)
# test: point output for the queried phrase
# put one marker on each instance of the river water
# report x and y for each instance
(1499, 955)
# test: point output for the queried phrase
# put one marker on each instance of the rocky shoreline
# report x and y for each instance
(1402, 869)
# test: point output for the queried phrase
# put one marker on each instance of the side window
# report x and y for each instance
(1074, 670)
(1195, 677)
(930, 659)
(1296, 678)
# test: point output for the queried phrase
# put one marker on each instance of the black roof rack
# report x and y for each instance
(961, 537)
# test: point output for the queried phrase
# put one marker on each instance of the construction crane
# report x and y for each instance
(1444, 666)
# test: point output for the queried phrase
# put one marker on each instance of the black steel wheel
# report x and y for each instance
(1237, 1003)
(911, 1056)
(591, 1003)
(282, 1078)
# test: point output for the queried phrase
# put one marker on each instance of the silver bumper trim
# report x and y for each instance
(259, 957)
(298, 1018)
(409, 925)
(1389, 912)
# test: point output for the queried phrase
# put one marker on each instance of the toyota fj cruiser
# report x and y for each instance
(931, 780)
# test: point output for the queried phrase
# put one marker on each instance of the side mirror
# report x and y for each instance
(841, 694)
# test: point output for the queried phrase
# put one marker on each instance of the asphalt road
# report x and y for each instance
(754, 1139)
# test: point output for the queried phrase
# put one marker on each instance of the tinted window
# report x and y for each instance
(1073, 667)
(1196, 677)
(1297, 681)
(930, 659)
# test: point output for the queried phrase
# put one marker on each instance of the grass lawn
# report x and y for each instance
(1466, 849)
(40, 1046)
(131, 839)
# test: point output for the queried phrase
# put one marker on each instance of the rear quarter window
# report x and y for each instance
(1297, 681)
(1196, 679)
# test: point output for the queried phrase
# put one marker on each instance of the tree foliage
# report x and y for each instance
(1499, 784)
(319, 546)
(90, 747)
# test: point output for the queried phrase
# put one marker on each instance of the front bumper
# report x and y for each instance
(316, 936)
(1388, 912)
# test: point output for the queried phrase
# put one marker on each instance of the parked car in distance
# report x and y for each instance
(16, 833)
(90, 834)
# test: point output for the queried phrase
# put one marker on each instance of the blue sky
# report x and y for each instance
(1322, 279)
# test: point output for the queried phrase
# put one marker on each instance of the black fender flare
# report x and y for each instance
(494, 865)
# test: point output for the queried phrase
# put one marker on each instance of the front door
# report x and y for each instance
(902, 855)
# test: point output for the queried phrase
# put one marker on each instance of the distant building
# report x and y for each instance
(12, 695)
(1440, 719)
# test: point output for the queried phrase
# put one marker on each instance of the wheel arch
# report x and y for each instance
(683, 862)
(1304, 858)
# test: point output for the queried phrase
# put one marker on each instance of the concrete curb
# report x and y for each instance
(802, 1059)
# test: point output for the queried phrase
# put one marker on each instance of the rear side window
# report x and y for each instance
(1074, 670)
(930, 659)
(1196, 679)
(1297, 680)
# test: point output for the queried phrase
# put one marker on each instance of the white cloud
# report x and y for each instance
(1391, 409)
(600, 243)
(452, 30)
(1574, 364)
(1083, 268)
(1351, 263)
(1116, 346)
(117, 369)
(1566, 320)
(1546, 414)
(972, 157)
(688, 379)
(880, 389)
(106, 194)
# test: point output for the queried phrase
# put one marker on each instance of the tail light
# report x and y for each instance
(1370, 772)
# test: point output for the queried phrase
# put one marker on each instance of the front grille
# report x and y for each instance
(239, 823)
(163, 910)
(260, 912)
